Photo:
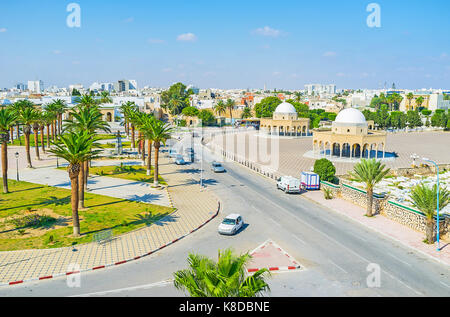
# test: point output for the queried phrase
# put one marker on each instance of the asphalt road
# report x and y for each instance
(334, 252)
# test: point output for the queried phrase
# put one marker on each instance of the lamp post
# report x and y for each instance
(17, 164)
(437, 207)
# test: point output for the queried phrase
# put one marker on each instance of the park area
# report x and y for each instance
(34, 216)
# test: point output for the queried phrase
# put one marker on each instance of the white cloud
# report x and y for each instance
(129, 20)
(187, 37)
(444, 55)
(329, 54)
(3, 30)
(156, 41)
(267, 31)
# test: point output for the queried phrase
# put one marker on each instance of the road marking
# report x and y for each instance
(403, 283)
(147, 286)
(340, 268)
(296, 237)
(445, 284)
(275, 222)
(392, 256)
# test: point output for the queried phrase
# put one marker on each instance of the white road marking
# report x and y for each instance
(445, 284)
(392, 256)
(340, 268)
(276, 223)
(403, 283)
(296, 237)
(147, 286)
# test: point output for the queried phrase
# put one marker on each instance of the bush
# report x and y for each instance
(325, 169)
(327, 194)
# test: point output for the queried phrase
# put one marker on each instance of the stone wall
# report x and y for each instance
(359, 197)
(409, 171)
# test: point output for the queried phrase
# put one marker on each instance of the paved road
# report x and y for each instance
(334, 251)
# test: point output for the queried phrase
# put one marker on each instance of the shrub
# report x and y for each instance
(325, 169)
(327, 194)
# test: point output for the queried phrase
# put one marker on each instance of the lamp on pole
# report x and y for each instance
(17, 164)
(437, 207)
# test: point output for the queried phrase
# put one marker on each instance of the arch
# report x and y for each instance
(108, 117)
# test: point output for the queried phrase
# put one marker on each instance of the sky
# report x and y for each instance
(282, 44)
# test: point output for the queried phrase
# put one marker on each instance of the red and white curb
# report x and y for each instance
(112, 264)
(295, 266)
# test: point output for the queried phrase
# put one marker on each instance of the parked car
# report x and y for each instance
(231, 224)
(289, 184)
(179, 160)
(217, 168)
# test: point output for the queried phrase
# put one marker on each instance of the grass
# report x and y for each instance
(22, 138)
(113, 145)
(102, 213)
(130, 172)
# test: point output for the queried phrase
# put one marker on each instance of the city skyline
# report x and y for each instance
(233, 45)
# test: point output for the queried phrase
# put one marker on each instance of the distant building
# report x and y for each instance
(320, 89)
(125, 85)
(36, 86)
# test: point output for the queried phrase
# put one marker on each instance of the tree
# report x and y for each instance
(246, 113)
(145, 127)
(7, 120)
(266, 107)
(370, 172)
(414, 119)
(35, 126)
(105, 98)
(175, 98)
(75, 148)
(89, 119)
(224, 278)
(410, 97)
(325, 169)
(230, 106)
(190, 112)
(161, 132)
(419, 101)
(220, 108)
(27, 117)
(207, 117)
(425, 199)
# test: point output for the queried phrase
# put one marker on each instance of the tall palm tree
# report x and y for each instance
(370, 172)
(410, 96)
(105, 98)
(60, 108)
(225, 278)
(27, 117)
(425, 199)
(145, 127)
(220, 109)
(246, 113)
(52, 110)
(161, 132)
(18, 107)
(75, 148)
(35, 125)
(7, 119)
(85, 118)
(419, 101)
(47, 120)
(127, 109)
(230, 106)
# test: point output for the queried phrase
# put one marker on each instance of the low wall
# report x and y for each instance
(409, 171)
(359, 197)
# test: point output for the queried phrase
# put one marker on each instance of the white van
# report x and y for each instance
(289, 184)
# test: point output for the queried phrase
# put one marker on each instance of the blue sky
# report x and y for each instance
(227, 44)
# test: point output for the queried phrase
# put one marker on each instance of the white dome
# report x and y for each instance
(352, 116)
(286, 108)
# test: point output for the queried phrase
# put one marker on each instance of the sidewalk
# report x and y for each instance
(384, 226)
(194, 209)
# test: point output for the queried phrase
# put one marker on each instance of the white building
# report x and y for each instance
(35, 86)
(320, 89)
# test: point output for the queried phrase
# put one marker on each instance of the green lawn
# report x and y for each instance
(22, 138)
(113, 145)
(134, 172)
(28, 199)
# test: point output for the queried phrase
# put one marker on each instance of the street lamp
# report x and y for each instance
(437, 220)
(17, 164)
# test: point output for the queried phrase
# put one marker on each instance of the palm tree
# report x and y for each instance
(89, 119)
(425, 199)
(220, 109)
(410, 97)
(419, 101)
(226, 278)
(27, 117)
(35, 125)
(60, 108)
(161, 132)
(18, 107)
(47, 120)
(7, 120)
(246, 113)
(75, 148)
(105, 98)
(144, 126)
(370, 172)
(230, 106)
(127, 110)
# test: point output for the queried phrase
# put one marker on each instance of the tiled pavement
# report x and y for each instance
(194, 208)
(290, 160)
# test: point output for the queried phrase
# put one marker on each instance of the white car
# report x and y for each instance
(231, 224)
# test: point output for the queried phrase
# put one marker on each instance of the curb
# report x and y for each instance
(275, 268)
(116, 263)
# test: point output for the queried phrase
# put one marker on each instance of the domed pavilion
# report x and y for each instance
(351, 136)
(285, 122)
